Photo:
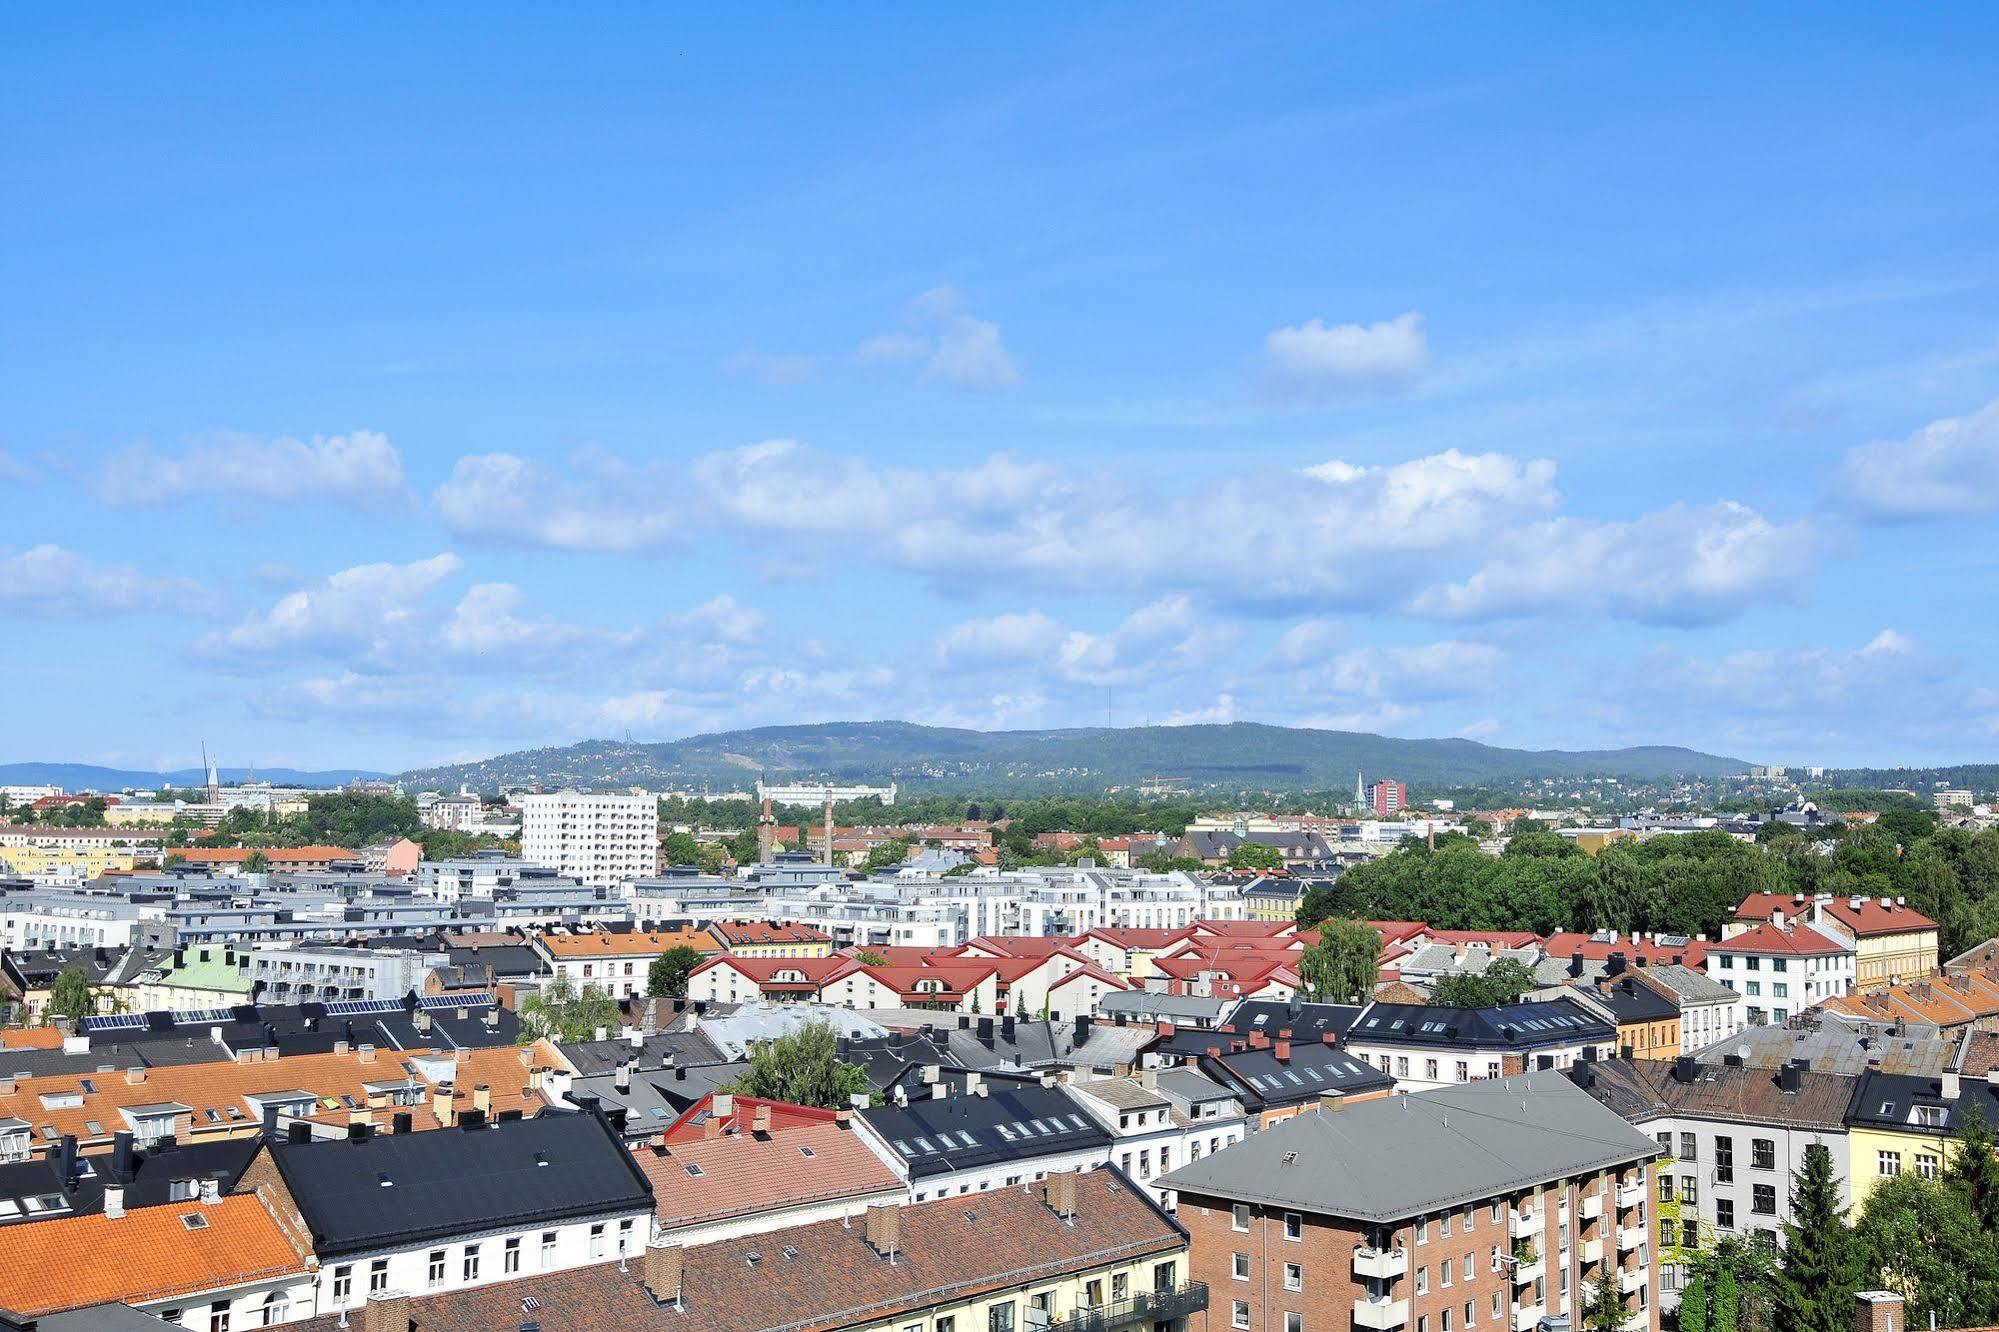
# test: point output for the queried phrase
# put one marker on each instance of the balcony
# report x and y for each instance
(1527, 1273)
(1630, 1195)
(1152, 1306)
(1633, 1278)
(1380, 1313)
(1592, 1207)
(1630, 1238)
(1525, 1225)
(1592, 1250)
(1527, 1317)
(1381, 1264)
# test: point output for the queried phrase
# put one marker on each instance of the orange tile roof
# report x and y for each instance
(277, 855)
(742, 1174)
(222, 1085)
(1798, 940)
(610, 943)
(759, 933)
(147, 1254)
(31, 1038)
(1865, 917)
(1947, 1001)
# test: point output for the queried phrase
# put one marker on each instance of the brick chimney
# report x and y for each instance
(1878, 1311)
(482, 1098)
(134, 1076)
(1062, 1193)
(387, 1312)
(885, 1229)
(760, 1121)
(1283, 1050)
(663, 1271)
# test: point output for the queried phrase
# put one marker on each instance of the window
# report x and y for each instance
(1120, 1285)
(1294, 1276)
(218, 1316)
(1890, 1163)
(948, 1323)
(1241, 1269)
(1724, 1160)
(1690, 1189)
(1241, 1217)
(1665, 1234)
(1464, 1075)
(471, 1267)
(1239, 1315)
(999, 1318)
(1926, 1165)
(1764, 1201)
(1294, 1226)
(1665, 1188)
(1471, 1313)
(1422, 1281)
(510, 1257)
(343, 1284)
(436, 1267)
(1430, 1069)
(1294, 1322)
(1763, 1153)
(1446, 1270)
(1689, 1147)
(1444, 1226)
(1690, 1235)
(597, 1240)
(1724, 1213)
(1470, 1259)
(625, 1235)
(548, 1248)
(378, 1276)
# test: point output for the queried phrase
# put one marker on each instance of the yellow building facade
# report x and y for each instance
(86, 861)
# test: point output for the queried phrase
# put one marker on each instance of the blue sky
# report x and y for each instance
(379, 389)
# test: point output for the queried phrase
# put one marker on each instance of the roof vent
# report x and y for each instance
(194, 1220)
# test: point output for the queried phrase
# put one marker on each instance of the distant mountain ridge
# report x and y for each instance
(89, 777)
(1241, 756)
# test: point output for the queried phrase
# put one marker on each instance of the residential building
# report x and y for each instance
(1648, 1016)
(1154, 1132)
(293, 859)
(1903, 1123)
(300, 972)
(990, 1135)
(770, 938)
(605, 841)
(1426, 1046)
(199, 976)
(1730, 1139)
(1780, 970)
(614, 961)
(728, 1180)
(1275, 1076)
(1490, 1205)
(1387, 797)
(1955, 999)
(1892, 942)
(1709, 1010)
(482, 876)
(554, 1192)
(397, 859)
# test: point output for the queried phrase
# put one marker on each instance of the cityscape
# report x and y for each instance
(1092, 669)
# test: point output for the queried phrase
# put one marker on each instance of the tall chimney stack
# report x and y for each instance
(885, 1229)
(663, 1267)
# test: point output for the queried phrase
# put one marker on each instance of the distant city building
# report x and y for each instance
(818, 793)
(1954, 798)
(604, 840)
(1387, 797)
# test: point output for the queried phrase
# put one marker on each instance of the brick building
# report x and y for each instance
(1492, 1205)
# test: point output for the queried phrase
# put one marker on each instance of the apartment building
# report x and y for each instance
(975, 1135)
(1486, 1206)
(614, 961)
(605, 841)
(1709, 1011)
(1781, 970)
(302, 972)
(1158, 1130)
(1730, 1139)
(1904, 1123)
(1425, 1046)
(1893, 943)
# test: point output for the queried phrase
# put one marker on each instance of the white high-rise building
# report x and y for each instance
(604, 840)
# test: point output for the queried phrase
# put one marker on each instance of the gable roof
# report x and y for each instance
(404, 1188)
(1645, 1089)
(1302, 1071)
(697, 1180)
(940, 1134)
(1865, 917)
(1793, 940)
(1402, 1156)
(1560, 1021)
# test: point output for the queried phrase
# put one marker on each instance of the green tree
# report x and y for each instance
(1255, 856)
(680, 849)
(256, 863)
(1165, 862)
(1603, 1308)
(802, 1068)
(1342, 967)
(1921, 1239)
(1501, 983)
(1693, 1305)
(666, 978)
(559, 1012)
(70, 996)
(1973, 1170)
(871, 957)
(1820, 1271)
(1725, 1316)
(888, 853)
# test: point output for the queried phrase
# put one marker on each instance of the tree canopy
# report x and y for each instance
(1343, 965)
(71, 997)
(666, 978)
(803, 1068)
(559, 1012)
(1255, 856)
(1501, 983)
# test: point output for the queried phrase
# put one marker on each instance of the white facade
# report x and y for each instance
(1154, 1137)
(59, 920)
(1704, 1022)
(1777, 986)
(301, 974)
(603, 840)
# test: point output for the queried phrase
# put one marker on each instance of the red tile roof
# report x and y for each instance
(739, 1174)
(1797, 941)
(1863, 917)
(765, 933)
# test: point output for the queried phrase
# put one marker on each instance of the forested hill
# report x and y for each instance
(1241, 756)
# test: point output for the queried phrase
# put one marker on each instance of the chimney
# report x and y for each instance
(662, 1272)
(135, 1076)
(386, 1312)
(760, 1121)
(1062, 1193)
(366, 1054)
(1686, 1068)
(482, 1099)
(1331, 1101)
(1953, 1086)
(444, 1104)
(121, 1156)
(66, 1159)
(1283, 1051)
(114, 1201)
(711, 1127)
(885, 1229)
(1790, 1078)
(299, 1132)
(402, 1121)
(1878, 1311)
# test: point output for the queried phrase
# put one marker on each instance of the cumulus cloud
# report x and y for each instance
(1315, 356)
(1681, 565)
(1154, 643)
(1948, 469)
(595, 503)
(54, 582)
(365, 613)
(1219, 713)
(778, 370)
(955, 347)
(361, 469)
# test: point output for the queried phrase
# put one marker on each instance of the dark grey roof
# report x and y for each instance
(1524, 1026)
(406, 1188)
(103, 1318)
(1151, 1004)
(652, 1100)
(660, 1050)
(1642, 1090)
(1403, 1156)
(1633, 1000)
(154, 1174)
(938, 1135)
(1306, 1022)
(1309, 1070)
(1890, 1100)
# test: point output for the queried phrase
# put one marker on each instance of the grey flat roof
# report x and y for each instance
(1406, 1156)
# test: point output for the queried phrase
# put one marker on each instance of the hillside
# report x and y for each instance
(1241, 756)
(89, 777)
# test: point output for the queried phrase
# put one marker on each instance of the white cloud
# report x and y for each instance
(1948, 469)
(365, 613)
(1219, 713)
(51, 581)
(13, 471)
(956, 348)
(1154, 643)
(360, 468)
(1680, 565)
(1315, 356)
(596, 503)
(778, 370)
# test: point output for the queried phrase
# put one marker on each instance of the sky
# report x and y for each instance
(383, 388)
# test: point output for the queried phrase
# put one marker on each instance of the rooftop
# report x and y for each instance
(697, 1180)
